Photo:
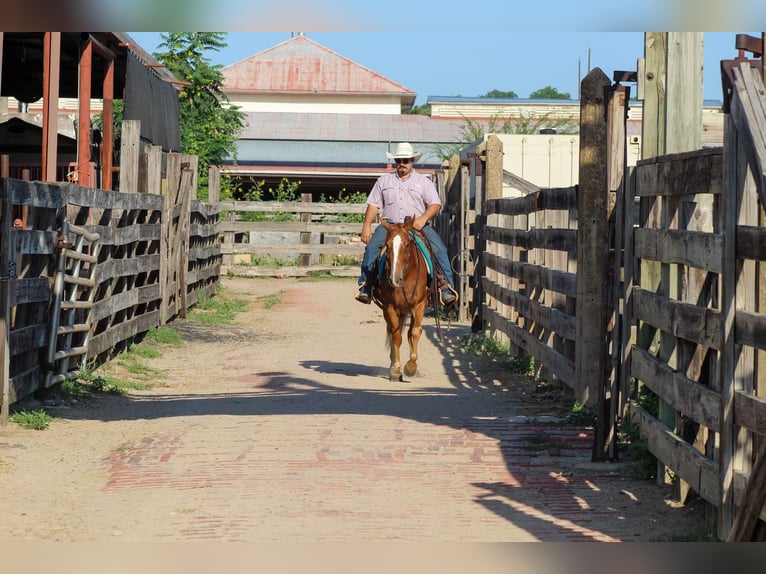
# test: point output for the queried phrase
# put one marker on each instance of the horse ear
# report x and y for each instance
(409, 223)
(385, 224)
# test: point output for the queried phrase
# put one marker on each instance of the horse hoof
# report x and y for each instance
(410, 369)
(394, 376)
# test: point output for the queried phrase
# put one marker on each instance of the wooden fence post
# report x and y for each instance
(6, 282)
(214, 185)
(305, 237)
(130, 144)
(592, 241)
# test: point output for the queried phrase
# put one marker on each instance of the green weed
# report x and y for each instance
(36, 420)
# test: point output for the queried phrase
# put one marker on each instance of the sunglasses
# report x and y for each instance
(399, 160)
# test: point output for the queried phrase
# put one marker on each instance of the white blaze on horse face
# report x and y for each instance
(396, 267)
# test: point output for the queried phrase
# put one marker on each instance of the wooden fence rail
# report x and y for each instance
(89, 271)
(313, 236)
(676, 299)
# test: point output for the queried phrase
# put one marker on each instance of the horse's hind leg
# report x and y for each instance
(413, 337)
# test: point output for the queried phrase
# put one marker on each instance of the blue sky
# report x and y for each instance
(471, 63)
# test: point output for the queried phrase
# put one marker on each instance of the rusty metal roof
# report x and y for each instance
(302, 66)
(350, 127)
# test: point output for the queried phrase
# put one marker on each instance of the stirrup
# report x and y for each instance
(451, 294)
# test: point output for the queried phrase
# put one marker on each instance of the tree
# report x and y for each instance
(549, 93)
(498, 94)
(421, 110)
(209, 122)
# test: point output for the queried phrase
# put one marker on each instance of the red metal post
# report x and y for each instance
(51, 73)
(83, 122)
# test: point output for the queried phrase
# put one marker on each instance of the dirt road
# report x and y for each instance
(285, 427)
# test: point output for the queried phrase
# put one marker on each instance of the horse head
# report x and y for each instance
(398, 249)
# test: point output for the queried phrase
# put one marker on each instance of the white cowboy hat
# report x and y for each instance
(404, 150)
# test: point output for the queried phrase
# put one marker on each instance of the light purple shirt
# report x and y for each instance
(399, 198)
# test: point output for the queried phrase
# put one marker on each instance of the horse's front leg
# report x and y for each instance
(413, 337)
(395, 342)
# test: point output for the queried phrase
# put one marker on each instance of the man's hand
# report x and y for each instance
(366, 234)
(420, 223)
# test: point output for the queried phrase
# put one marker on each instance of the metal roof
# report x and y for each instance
(350, 127)
(302, 66)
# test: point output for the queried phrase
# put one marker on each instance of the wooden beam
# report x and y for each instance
(51, 73)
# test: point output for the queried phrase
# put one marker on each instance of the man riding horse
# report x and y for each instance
(399, 195)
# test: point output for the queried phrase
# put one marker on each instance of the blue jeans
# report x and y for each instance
(378, 238)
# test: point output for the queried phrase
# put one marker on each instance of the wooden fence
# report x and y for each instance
(668, 288)
(295, 238)
(89, 271)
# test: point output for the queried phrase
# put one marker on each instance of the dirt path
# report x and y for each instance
(285, 427)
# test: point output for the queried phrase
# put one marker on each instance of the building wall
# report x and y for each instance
(333, 104)
(548, 161)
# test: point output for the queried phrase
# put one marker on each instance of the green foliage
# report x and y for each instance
(269, 261)
(269, 301)
(474, 130)
(210, 124)
(218, 310)
(635, 446)
(422, 110)
(499, 94)
(486, 346)
(345, 197)
(549, 93)
(163, 336)
(35, 420)
(582, 415)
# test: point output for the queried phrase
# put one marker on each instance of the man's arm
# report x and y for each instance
(369, 216)
(431, 211)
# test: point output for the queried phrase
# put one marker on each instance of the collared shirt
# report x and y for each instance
(399, 198)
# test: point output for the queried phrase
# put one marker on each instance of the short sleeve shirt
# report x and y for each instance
(399, 198)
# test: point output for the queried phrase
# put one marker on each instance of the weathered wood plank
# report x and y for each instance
(552, 239)
(551, 319)
(117, 334)
(688, 463)
(127, 235)
(699, 325)
(683, 394)
(125, 300)
(750, 412)
(296, 249)
(559, 281)
(35, 242)
(562, 198)
(291, 226)
(128, 267)
(38, 194)
(694, 248)
(291, 207)
(687, 173)
(751, 242)
(27, 338)
(31, 290)
(101, 199)
(750, 329)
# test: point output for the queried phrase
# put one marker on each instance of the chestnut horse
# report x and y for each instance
(401, 290)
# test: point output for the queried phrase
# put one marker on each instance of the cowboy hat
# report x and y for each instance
(404, 150)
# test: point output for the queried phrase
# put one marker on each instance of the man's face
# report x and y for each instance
(403, 166)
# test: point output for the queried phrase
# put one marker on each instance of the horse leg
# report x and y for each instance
(413, 337)
(395, 342)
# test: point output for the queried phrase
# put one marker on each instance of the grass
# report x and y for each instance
(269, 301)
(36, 420)
(500, 351)
(218, 310)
